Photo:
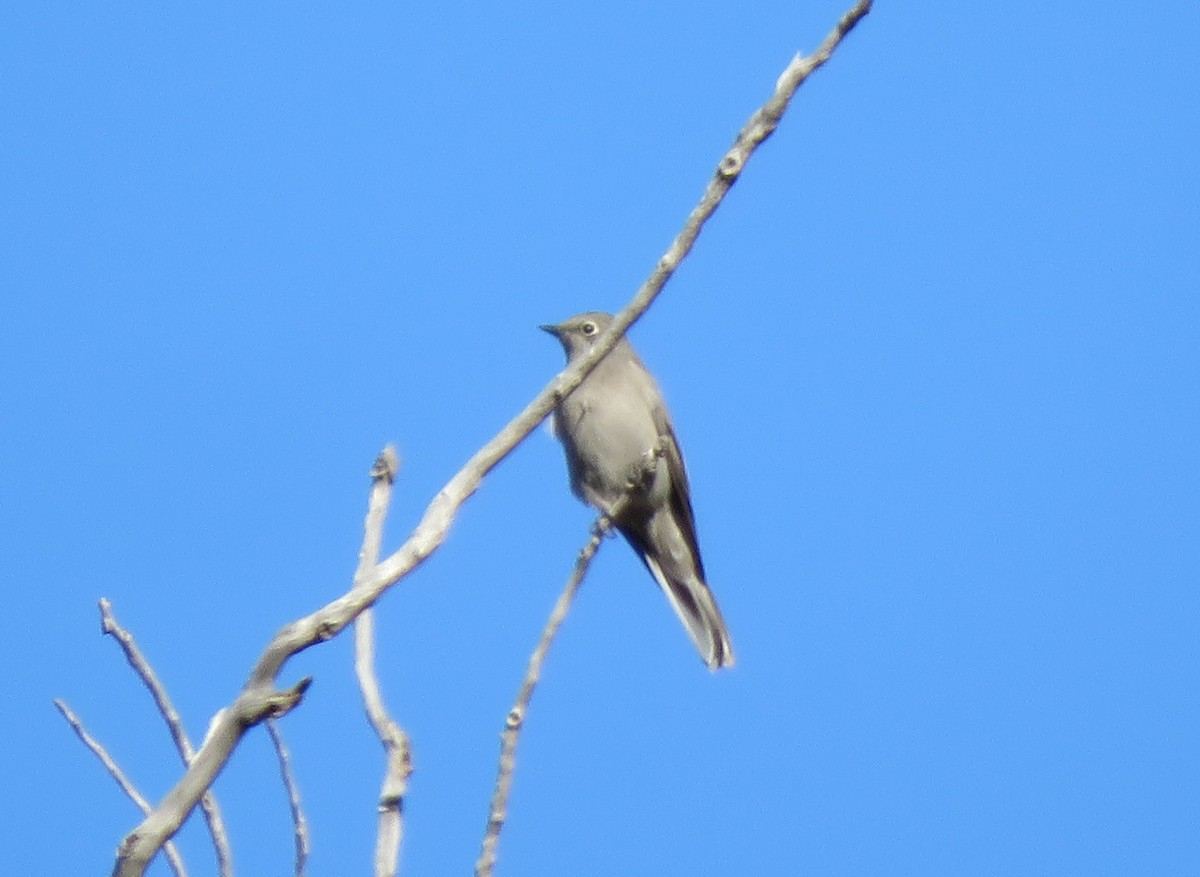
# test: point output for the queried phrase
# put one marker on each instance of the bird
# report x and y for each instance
(624, 460)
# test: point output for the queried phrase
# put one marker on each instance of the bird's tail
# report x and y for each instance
(696, 607)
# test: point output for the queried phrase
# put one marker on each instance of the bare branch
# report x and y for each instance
(509, 737)
(114, 771)
(764, 122)
(208, 801)
(391, 735)
(250, 707)
(299, 823)
(516, 716)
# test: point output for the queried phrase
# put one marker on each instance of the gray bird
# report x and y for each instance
(612, 427)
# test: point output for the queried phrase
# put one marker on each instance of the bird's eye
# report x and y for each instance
(588, 328)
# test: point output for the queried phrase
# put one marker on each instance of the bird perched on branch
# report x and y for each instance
(623, 459)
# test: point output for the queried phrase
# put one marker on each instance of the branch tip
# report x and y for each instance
(386, 466)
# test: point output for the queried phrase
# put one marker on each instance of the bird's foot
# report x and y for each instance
(642, 474)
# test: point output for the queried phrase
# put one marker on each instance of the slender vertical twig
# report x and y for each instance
(398, 764)
(510, 736)
(299, 822)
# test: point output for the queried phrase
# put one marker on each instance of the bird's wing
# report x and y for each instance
(681, 493)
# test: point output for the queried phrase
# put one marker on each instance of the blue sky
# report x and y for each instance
(933, 365)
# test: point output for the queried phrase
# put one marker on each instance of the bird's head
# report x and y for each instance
(579, 333)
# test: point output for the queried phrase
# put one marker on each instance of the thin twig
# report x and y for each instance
(114, 771)
(183, 745)
(299, 823)
(251, 705)
(398, 764)
(509, 737)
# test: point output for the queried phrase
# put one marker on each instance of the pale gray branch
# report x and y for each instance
(114, 770)
(255, 700)
(509, 737)
(398, 758)
(208, 801)
(299, 823)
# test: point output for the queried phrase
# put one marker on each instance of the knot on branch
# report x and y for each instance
(391, 803)
(516, 717)
(277, 704)
(327, 630)
(127, 845)
(731, 165)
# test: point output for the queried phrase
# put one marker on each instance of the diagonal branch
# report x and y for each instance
(509, 737)
(114, 770)
(498, 812)
(208, 801)
(391, 735)
(253, 703)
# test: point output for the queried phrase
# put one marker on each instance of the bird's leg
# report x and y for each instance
(603, 525)
(639, 482)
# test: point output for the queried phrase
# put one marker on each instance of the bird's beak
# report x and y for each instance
(553, 330)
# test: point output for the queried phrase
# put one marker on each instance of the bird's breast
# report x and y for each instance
(609, 436)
